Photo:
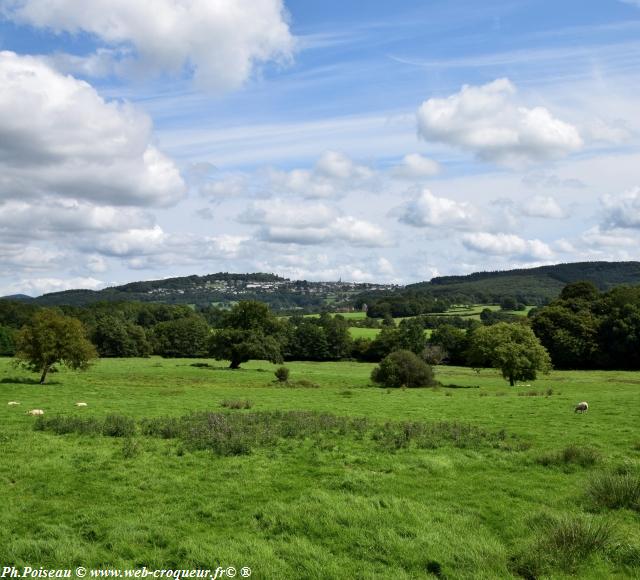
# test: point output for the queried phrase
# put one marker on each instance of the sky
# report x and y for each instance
(369, 141)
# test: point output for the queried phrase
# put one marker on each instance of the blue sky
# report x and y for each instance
(362, 140)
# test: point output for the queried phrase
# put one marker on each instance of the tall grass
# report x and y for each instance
(615, 491)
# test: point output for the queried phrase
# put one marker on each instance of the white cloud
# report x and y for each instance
(542, 207)
(623, 210)
(288, 223)
(487, 121)
(333, 174)
(415, 166)
(134, 242)
(427, 210)
(219, 41)
(38, 286)
(507, 245)
(97, 264)
(59, 137)
(232, 185)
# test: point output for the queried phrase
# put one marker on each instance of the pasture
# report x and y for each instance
(470, 480)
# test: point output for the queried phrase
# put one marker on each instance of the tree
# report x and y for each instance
(403, 368)
(250, 331)
(183, 337)
(114, 336)
(52, 338)
(7, 341)
(411, 335)
(454, 341)
(512, 348)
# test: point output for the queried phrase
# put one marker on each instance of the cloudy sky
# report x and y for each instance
(372, 141)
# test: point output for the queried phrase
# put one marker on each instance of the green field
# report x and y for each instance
(480, 496)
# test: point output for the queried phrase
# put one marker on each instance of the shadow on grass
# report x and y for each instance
(24, 381)
(453, 386)
(211, 367)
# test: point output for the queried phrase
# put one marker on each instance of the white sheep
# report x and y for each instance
(81, 404)
(583, 407)
(13, 403)
(35, 412)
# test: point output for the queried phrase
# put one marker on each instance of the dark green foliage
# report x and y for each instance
(51, 338)
(489, 317)
(240, 346)
(183, 337)
(318, 339)
(411, 335)
(512, 348)
(454, 341)
(115, 336)
(61, 425)
(615, 490)
(282, 374)
(7, 341)
(403, 368)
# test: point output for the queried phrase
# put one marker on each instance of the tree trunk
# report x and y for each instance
(45, 370)
(235, 364)
(511, 380)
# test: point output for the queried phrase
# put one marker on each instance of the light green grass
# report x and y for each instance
(333, 507)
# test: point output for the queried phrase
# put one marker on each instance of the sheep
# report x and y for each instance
(13, 403)
(583, 407)
(35, 412)
(81, 404)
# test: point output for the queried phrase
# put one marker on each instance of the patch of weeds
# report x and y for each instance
(346, 393)
(300, 384)
(118, 426)
(401, 435)
(61, 425)
(164, 428)
(435, 568)
(580, 455)
(131, 447)
(282, 374)
(615, 490)
(562, 544)
(237, 404)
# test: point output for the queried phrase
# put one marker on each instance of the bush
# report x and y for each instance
(403, 368)
(615, 491)
(282, 374)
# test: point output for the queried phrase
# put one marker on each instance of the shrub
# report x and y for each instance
(615, 491)
(402, 368)
(282, 374)
(62, 425)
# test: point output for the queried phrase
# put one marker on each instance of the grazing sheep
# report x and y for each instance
(35, 412)
(582, 407)
(13, 403)
(81, 404)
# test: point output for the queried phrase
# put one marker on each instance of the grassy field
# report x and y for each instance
(470, 480)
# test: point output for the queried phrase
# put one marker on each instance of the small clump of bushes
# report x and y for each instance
(403, 368)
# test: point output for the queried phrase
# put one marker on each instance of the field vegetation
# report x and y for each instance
(183, 462)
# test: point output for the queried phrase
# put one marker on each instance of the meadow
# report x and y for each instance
(184, 463)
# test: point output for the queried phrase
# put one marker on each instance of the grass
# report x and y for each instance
(343, 480)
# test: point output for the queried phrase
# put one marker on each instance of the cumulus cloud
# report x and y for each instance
(59, 137)
(333, 173)
(487, 121)
(228, 186)
(38, 286)
(415, 166)
(623, 210)
(220, 42)
(284, 223)
(507, 245)
(427, 210)
(542, 207)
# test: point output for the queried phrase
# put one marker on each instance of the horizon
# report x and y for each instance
(391, 145)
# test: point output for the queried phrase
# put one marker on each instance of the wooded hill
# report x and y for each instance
(534, 286)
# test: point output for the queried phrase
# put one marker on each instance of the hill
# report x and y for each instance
(223, 289)
(532, 285)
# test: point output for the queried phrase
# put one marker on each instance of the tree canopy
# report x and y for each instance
(52, 338)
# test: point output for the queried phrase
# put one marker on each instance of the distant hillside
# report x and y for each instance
(531, 285)
(18, 298)
(222, 289)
